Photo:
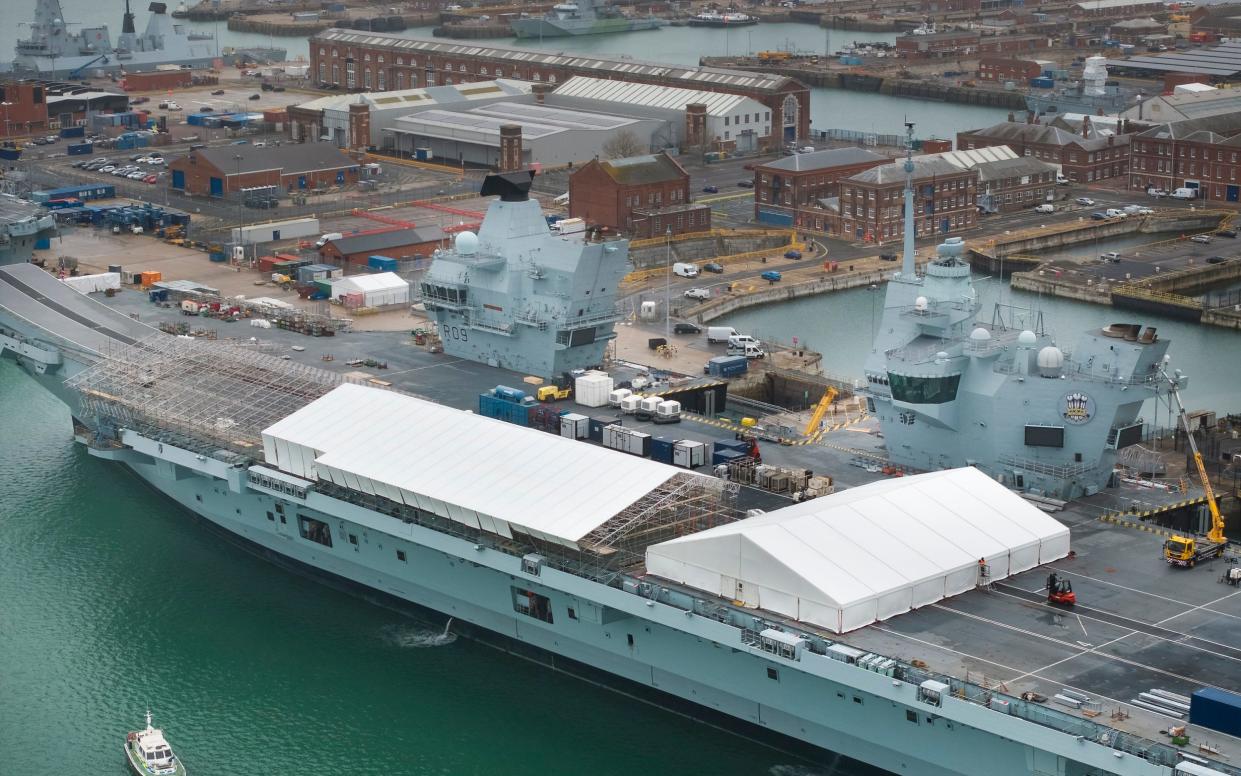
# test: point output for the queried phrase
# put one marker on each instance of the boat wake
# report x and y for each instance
(813, 770)
(413, 637)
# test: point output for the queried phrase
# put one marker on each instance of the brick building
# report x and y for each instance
(1223, 20)
(1115, 9)
(994, 45)
(373, 61)
(23, 109)
(1204, 154)
(394, 244)
(1014, 184)
(790, 191)
(1084, 156)
(872, 202)
(644, 196)
(1002, 69)
(938, 45)
(1135, 31)
(216, 172)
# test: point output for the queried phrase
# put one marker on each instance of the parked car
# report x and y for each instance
(710, 189)
(697, 293)
(686, 328)
(139, 100)
(260, 143)
(1111, 256)
(713, 266)
(206, 109)
(53, 138)
(746, 184)
(1216, 260)
(1046, 207)
(1204, 239)
(155, 160)
(771, 276)
(240, 142)
(1157, 193)
(151, 179)
(792, 254)
(217, 92)
(1085, 201)
(107, 168)
(1099, 216)
(256, 96)
(1227, 233)
(887, 256)
(79, 165)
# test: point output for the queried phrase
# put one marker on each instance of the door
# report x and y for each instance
(945, 225)
(301, 181)
(1233, 193)
(340, 176)
(275, 235)
(217, 187)
(178, 179)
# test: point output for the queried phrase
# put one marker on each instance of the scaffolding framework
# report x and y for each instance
(204, 394)
(685, 503)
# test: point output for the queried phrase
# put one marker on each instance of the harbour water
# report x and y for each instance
(841, 326)
(830, 108)
(115, 601)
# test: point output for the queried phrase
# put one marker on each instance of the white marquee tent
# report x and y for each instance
(482, 472)
(379, 289)
(868, 553)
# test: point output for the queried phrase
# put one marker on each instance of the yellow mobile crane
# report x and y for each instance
(820, 410)
(1186, 551)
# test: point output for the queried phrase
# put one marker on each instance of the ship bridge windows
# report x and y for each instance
(450, 294)
(314, 530)
(924, 390)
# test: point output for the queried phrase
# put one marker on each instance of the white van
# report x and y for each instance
(1185, 193)
(327, 238)
(1112, 212)
(1061, 180)
(716, 334)
(685, 270)
(740, 340)
(748, 349)
(1046, 207)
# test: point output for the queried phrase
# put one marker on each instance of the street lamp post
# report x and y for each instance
(241, 217)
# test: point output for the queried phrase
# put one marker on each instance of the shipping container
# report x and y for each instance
(597, 425)
(574, 426)
(73, 131)
(726, 456)
(689, 454)
(627, 440)
(79, 149)
(729, 444)
(1216, 709)
(661, 450)
(492, 407)
(382, 263)
(727, 366)
(85, 192)
(1042, 83)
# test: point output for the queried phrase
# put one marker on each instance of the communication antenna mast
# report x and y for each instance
(908, 269)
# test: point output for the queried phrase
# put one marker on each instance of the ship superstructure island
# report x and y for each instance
(581, 17)
(1001, 393)
(520, 297)
(610, 566)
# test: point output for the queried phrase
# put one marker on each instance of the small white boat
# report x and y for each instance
(149, 754)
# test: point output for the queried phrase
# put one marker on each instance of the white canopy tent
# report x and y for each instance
(868, 553)
(481, 472)
(379, 289)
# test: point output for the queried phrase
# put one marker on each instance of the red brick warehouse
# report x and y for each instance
(373, 61)
(215, 172)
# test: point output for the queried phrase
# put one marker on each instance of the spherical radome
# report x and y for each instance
(1050, 357)
(1026, 338)
(466, 243)
(980, 335)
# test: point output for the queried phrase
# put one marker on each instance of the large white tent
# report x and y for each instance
(379, 289)
(868, 553)
(481, 472)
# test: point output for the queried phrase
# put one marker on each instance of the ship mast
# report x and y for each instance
(908, 268)
(127, 21)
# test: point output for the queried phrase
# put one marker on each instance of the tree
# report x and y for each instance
(622, 145)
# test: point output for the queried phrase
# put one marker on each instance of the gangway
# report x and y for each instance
(816, 417)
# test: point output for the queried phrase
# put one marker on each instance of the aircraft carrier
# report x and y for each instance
(892, 646)
(22, 225)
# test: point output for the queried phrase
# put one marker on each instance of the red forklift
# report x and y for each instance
(1060, 591)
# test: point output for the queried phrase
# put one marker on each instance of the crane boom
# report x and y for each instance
(1216, 534)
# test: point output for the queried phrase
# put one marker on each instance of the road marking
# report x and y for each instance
(1079, 622)
(723, 198)
(1090, 651)
(1122, 587)
(1203, 606)
(426, 366)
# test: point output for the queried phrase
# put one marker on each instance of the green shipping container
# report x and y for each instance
(324, 286)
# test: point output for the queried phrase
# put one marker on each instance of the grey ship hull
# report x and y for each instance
(197, 57)
(555, 28)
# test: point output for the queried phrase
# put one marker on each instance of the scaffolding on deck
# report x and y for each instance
(205, 395)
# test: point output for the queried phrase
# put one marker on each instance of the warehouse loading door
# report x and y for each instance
(217, 187)
(1234, 192)
(178, 179)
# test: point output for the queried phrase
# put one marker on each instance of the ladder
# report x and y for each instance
(820, 410)
(984, 576)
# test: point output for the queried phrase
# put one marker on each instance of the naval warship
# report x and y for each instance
(1002, 394)
(516, 297)
(581, 17)
(54, 49)
(604, 565)
(22, 225)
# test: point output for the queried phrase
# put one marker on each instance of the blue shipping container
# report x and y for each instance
(381, 263)
(73, 131)
(729, 444)
(727, 366)
(491, 407)
(661, 450)
(1216, 709)
(78, 149)
(1042, 83)
(725, 456)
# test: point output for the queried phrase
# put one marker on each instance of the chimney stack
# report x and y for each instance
(1085, 126)
(540, 92)
(510, 148)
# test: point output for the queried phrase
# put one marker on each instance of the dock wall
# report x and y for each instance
(783, 292)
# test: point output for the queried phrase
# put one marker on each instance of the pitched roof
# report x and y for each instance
(638, 170)
(1046, 134)
(821, 160)
(1219, 127)
(924, 167)
(378, 241)
(289, 159)
(1009, 168)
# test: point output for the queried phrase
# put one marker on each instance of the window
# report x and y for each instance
(911, 716)
(400, 555)
(572, 613)
(857, 700)
(271, 517)
(314, 530)
(353, 539)
(532, 604)
(924, 390)
(773, 674)
(630, 638)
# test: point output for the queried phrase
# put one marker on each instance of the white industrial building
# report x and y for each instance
(868, 553)
(327, 118)
(378, 290)
(549, 135)
(729, 117)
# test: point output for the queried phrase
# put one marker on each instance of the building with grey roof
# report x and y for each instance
(1183, 106)
(1213, 63)
(787, 191)
(393, 243)
(1202, 154)
(1086, 155)
(218, 171)
(872, 202)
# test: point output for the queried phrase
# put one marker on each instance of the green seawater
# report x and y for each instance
(114, 600)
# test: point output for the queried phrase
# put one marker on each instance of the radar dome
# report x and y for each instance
(920, 304)
(980, 335)
(1050, 357)
(467, 243)
(1026, 338)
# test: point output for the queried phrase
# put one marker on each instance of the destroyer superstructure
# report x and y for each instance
(581, 17)
(54, 48)
(519, 296)
(1002, 394)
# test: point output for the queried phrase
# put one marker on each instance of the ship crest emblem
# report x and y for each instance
(1077, 408)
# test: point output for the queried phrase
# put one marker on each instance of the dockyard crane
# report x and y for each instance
(1186, 551)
